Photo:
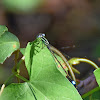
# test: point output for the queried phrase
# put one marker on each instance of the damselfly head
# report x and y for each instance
(41, 35)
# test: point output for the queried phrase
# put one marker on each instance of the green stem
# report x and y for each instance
(14, 68)
(75, 70)
(9, 78)
(88, 61)
(18, 65)
(21, 77)
(90, 92)
(16, 56)
(2, 88)
(16, 73)
(64, 59)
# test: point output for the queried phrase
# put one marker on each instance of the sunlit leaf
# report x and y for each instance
(17, 92)
(97, 75)
(22, 50)
(45, 76)
(45, 83)
(8, 44)
(3, 29)
(59, 64)
(94, 96)
(28, 57)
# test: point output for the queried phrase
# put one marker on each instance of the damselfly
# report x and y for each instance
(54, 50)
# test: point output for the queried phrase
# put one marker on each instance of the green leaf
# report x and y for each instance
(44, 76)
(59, 67)
(31, 49)
(8, 44)
(94, 96)
(28, 57)
(27, 91)
(3, 29)
(97, 75)
(46, 82)
(21, 5)
(22, 50)
(20, 91)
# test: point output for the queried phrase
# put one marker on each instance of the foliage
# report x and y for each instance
(94, 95)
(97, 75)
(8, 43)
(45, 80)
(21, 5)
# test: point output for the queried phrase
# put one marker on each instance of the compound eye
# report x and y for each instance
(41, 35)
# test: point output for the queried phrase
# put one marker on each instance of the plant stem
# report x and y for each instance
(17, 66)
(9, 78)
(74, 70)
(21, 77)
(88, 61)
(16, 57)
(65, 61)
(2, 88)
(90, 92)
(14, 68)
